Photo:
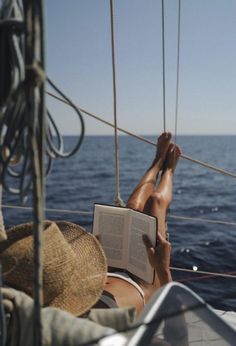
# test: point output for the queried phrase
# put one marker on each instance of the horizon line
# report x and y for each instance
(151, 135)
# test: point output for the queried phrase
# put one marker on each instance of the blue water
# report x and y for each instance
(88, 177)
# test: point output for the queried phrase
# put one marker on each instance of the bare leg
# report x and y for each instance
(155, 202)
(161, 198)
(158, 204)
(147, 184)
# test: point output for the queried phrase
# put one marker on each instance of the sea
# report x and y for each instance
(76, 183)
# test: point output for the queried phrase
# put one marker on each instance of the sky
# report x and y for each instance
(78, 55)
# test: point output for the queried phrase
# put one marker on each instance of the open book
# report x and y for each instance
(120, 232)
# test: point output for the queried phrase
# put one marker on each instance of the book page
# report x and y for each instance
(110, 223)
(138, 263)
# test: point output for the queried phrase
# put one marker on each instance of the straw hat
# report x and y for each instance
(74, 269)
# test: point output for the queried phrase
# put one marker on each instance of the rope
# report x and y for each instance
(50, 210)
(52, 151)
(22, 117)
(3, 322)
(163, 65)
(117, 199)
(177, 77)
(35, 122)
(83, 212)
(92, 115)
(201, 163)
(207, 165)
(203, 272)
(228, 223)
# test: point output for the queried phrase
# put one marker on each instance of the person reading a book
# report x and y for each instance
(74, 277)
(151, 199)
(64, 244)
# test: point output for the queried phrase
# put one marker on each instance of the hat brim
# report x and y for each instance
(91, 273)
(87, 275)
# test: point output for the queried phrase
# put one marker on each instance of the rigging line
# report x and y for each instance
(118, 201)
(177, 77)
(60, 153)
(163, 65)
(35, 121)
(3, 322)
(201, 163)
(229, 223)
(83, 212)
(204, 277)
(214, 168)
(78, 212)
(203, 272)
(103, 121)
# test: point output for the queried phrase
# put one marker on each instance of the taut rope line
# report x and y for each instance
(118, 201)
(198, 219)
(83, 212)
(206, 273)
(177, 77)
(163, 66)
(201, 163)
(203, 272)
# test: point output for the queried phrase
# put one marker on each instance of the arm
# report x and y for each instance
(159, 258)
(175, 331)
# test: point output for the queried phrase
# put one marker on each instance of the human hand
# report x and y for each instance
(8, 297)
(159, 257)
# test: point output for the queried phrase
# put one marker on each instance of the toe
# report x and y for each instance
(171, 147)
(178, 150)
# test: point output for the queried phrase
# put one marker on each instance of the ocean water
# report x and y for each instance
(75, 184)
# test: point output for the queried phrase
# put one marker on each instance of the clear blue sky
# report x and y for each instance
(79, 61)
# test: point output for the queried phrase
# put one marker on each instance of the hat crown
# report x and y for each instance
(60, 263)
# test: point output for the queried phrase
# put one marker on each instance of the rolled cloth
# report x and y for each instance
(59, 327)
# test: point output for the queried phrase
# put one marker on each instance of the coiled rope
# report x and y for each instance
(16, 145)
(25, 132)
(34, 125)
(58, 152)
(22, 117)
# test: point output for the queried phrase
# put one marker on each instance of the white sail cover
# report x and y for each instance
(176, 316)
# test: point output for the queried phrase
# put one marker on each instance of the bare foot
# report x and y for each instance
(172, 157)
(162, 197)
(163, 144)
